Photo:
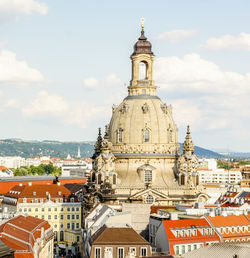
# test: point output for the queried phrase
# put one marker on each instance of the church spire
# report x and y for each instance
(142, 83)
(188, 146)
(98, 144)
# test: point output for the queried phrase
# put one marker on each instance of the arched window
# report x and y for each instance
(197, 180)
(146, 135)
(148, 176)
(142, 71)
(149, 199)
(99, 179)
(114, 179)
(119, 135)
(182, 179)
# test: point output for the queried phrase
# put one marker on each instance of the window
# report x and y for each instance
(132, 250)
(61, 225)
(68, 216)
(143, 251)
(183, 233)
(149, 199)
(195, 246)
(148, 176)
(55, 236)
(189, 233)
(73, 216)
(114, 179)
(55, 209)
(20, 210)
(61, 236)
(61, 216)
(182, 179)
(62, 209)
(119, 135)
(189, 248)
(49, 216)
(36, 209)
(146, 135)
(177, 250)
(72, 200)
(77, 209)
(177, 233)
(68, 225)
(68, 209)
(49, 209)
(120, 252)
(195, 232)
(55, 217)
(42, 209)
(143, 70)
(73, 209)
(97, 252)
(77, 225)
(42, 216)
(77, 216)
(73, 226)
(183, 249)
(24, 200)
(221, 230)
(29, 209)
(77, 238)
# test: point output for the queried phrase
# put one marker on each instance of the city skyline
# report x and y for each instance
(63, 66)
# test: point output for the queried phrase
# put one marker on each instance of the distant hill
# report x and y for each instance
(205, 153)
(28, 149)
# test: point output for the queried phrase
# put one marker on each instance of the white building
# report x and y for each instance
(76, 168)
(219, 176)
(12, 162)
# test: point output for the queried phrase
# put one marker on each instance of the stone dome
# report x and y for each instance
(143, 125)
(142, 46)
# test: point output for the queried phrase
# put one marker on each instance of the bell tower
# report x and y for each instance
(142, 82)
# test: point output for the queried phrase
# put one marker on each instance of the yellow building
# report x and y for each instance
(53, 203)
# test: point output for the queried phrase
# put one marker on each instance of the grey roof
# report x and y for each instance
(222, 250)
(244, 194)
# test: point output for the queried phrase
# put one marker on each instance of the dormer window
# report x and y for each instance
(24, 200)
(59, 193)
(183, 233)
(72, 200)
(34, 193)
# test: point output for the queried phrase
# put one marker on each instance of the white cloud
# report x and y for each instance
(94, 83)
(12, 103)
(112, 79)
(47, 105)
(14, 71)
(11, 9)
(204, 95)
(91, 83)
(177, 35)
(240, 42)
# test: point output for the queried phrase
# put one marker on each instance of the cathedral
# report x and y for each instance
(138, 159)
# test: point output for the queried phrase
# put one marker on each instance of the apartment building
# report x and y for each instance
(53, 203)
(118, 243)
(178, 237)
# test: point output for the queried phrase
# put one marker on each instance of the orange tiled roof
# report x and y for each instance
(3, 168)
(38, 191)
(154, 209)
(21, 232)
(230, 220)
(5, 186)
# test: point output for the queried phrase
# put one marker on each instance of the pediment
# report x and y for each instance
(156, 194)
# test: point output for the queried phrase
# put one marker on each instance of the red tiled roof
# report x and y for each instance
(21, 232)
(230, 220)
(39, 191)
(6, 186)
(3, 168)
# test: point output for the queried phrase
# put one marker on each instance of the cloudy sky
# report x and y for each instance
(63, 63)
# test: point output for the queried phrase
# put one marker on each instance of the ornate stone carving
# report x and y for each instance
(124, 108)
(145, 108)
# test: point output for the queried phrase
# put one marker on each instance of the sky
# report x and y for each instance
(64, 63)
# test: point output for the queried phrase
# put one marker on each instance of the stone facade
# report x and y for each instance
(138, 158)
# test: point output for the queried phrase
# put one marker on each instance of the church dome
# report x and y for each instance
(142, 123)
